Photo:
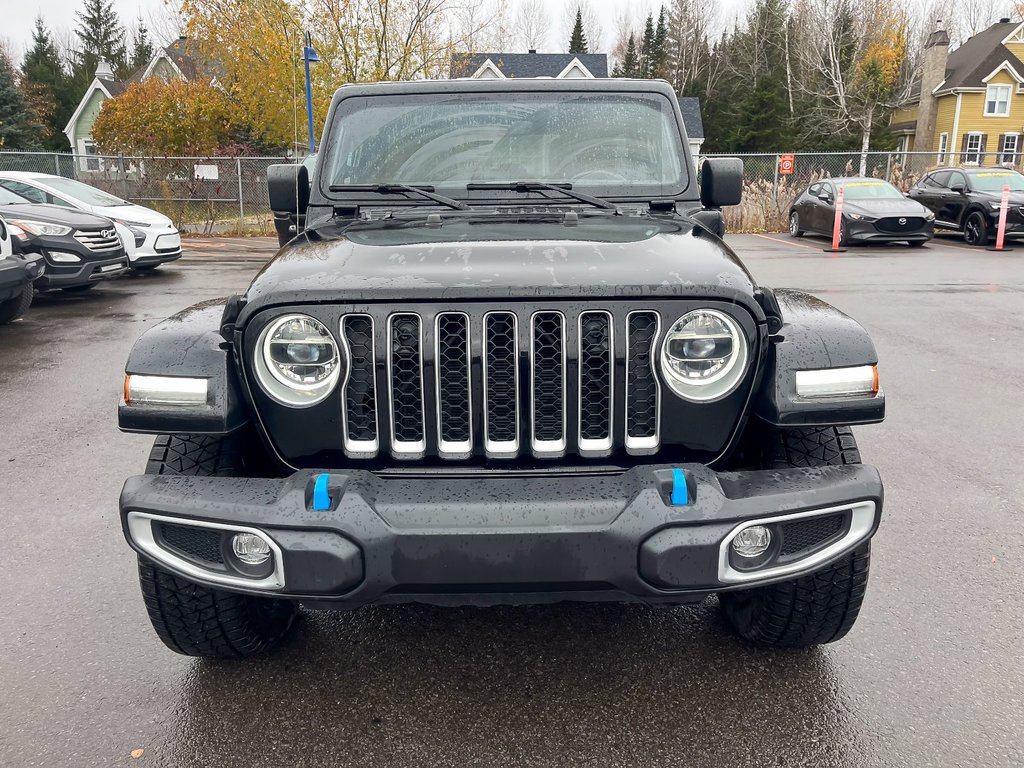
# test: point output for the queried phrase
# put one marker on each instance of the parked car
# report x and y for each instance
(530, 376)
(967, 200)
(874, 211)
(17, 273)
(288, 224)
(149, 238)
(79, 249)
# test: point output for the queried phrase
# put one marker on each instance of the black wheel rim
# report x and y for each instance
(972, 230)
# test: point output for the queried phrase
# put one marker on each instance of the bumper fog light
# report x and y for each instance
(752, 542)
(250, 548)
(61, 257)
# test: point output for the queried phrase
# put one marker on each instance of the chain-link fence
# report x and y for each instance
(204, 195)
(218, 195)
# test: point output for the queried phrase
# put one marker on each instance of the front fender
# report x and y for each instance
(187, 344)
(814, 335)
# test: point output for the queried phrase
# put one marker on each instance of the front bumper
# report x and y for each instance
(61, 275)
(464, 539)
(866, 231)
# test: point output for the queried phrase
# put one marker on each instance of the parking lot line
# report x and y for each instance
(785, 242)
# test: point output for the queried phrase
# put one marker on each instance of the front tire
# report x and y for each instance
(976, 228)
(820, 607)
(12, 309)
(193, 619)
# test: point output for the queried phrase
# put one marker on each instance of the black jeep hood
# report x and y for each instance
(620, 257)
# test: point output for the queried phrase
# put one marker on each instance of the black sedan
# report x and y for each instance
(874, 211)
(967, 200)
(79, 249)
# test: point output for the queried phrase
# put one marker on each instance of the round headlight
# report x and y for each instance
(704, 355)
(297, 360)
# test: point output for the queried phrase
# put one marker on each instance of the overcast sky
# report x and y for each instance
(60, 16)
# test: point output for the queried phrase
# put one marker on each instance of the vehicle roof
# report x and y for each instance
(494, 85)
(848, 179)
(24, 175)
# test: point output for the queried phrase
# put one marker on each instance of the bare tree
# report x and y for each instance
(690, 25)
(531, 26)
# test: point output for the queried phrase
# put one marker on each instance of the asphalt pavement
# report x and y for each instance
(929, 676)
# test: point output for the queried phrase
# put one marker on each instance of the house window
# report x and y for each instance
(901, 148)
(940, 159)
(1009, 149)
(973, 148)
(88, 160)
(997, 101)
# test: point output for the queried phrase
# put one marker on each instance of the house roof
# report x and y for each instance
(528, 64)
(975, 59)
(690, 107)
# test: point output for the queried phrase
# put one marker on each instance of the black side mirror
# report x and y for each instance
(957, 189)
(288, 188)
(825, 197)
(721, 182)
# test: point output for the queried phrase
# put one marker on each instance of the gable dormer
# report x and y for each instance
(1014, 41)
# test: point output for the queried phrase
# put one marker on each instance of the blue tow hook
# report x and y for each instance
(321, 498)
(680, 494)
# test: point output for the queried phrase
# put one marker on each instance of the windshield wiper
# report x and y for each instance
(535, 186)
(401, 189)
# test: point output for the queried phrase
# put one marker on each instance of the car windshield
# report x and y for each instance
(81, 192)
(601, 143)
(870, 190)
(994, 181)
(10, 198)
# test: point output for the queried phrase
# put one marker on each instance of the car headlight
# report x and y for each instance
(297, 360)
(40, 227)
(704, 355)
(996, 206)
(929, 216)
(128, 223)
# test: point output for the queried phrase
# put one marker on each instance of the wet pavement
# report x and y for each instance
(929, 676)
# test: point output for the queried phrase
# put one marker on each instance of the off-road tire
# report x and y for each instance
(190, 618)
(794, 225)
(820, 607)
(12, 309)
(976, 229)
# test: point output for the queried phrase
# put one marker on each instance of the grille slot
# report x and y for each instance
(643, 393)
(96, 240)
(360, 396)
(801, 535)
(454, 399)
(501, 384)
(201, 544)
(405, 352)
(596, 365)
(548, 385)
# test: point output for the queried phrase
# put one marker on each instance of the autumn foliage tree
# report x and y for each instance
(154, 118)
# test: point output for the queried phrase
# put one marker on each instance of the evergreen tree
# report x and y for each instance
(18, 126)
(647, 49)
(46, 85)
(659, 48)
(100, 36)
(142, 47)
(578, 40)
(630, 66)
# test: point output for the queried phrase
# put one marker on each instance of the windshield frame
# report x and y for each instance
(323, 196)
(48, 181)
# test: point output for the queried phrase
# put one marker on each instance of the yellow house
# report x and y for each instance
(969, 105)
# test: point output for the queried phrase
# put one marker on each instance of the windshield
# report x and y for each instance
(10, 198)
(603, 143)
(870, 190)
(81, 192)
(994, 181)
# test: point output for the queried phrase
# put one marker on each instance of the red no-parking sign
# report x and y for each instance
(786, 164)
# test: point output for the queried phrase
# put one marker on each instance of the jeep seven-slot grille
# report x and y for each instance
(546, 380)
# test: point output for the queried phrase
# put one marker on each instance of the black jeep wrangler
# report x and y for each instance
(509, 361)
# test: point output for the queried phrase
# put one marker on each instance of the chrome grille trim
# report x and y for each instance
(456, 449)
(500, 449)
(642, 445)
(96, 241)
(594, 447)
(359, 449)
(547, 447)
(406, 449)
